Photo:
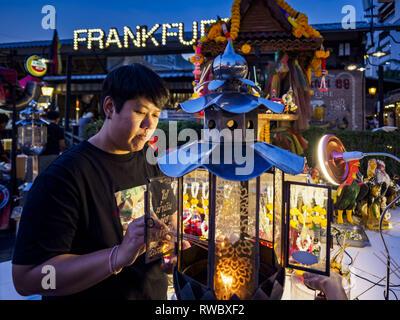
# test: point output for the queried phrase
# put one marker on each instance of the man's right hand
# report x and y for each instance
(133, 244)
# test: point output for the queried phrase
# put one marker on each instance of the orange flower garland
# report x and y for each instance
(300, 22)
(235, 19)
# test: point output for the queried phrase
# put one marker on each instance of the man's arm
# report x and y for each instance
(75, 273)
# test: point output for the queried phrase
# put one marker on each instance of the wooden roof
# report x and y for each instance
(263, 24)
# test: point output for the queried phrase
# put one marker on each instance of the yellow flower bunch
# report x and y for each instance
(316, 220)
(322, 54)
(294, 224)
(197, 58)
(320, 210)
(295, 212)
(235, 19)
(300, 23)
(246, 48)
(215, 31)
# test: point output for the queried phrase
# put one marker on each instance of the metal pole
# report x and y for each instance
(381, 96)
(68, 92)
(363, 101)
(14, 136)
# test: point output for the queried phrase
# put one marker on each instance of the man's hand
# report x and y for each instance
(133, 244)
(331, 286)
(168, 267)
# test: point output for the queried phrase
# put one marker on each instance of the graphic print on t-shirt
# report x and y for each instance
(130, 203)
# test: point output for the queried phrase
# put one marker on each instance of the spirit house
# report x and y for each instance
(244, 219)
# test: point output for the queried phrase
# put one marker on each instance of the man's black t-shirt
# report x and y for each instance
(71, 209)
(54, 135)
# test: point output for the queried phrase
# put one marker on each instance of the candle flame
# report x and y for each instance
(226, 280)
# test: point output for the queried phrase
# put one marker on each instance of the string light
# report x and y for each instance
(140, 39)
(166, 34)
(77, 39)
(146, 35)
(181, 33)
(113, 37)
(128, 34)
(99, 38)
(203, 24)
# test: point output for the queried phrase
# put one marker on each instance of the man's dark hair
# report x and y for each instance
(132, 82)
(4, 118)
(53, 115)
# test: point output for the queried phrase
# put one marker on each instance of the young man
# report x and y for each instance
(71, 221)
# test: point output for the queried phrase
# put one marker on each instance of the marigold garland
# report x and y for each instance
(299, 21)
(246, 48)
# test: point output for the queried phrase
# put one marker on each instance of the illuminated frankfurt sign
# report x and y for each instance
(140, 37)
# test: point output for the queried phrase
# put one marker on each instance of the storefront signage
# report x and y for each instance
(139, 37)
(36, 66)
(342, 103)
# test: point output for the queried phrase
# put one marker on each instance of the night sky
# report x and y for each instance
(22, 19)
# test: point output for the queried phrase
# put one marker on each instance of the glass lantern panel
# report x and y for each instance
(267, 208)
(309, 209)
(196, 191)
(278, 196)
(194, 225)
(235, 246)
(32, 138)
(161, 199)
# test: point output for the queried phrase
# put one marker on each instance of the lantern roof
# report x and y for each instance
(258, 158)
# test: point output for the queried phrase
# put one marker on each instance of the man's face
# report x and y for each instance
(134, 125)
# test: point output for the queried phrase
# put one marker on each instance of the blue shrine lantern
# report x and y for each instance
(235, 202)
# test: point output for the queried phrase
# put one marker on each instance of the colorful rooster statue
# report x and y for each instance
(349, 193)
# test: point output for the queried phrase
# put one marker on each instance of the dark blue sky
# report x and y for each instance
(21, 19)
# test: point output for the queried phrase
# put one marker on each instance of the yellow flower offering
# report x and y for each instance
(246, 48)
(293, 224)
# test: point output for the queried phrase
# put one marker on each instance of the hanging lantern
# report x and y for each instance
(235, 211)
(32, 130)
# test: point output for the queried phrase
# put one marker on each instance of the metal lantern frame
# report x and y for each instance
(278, 247)
(232, 248)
